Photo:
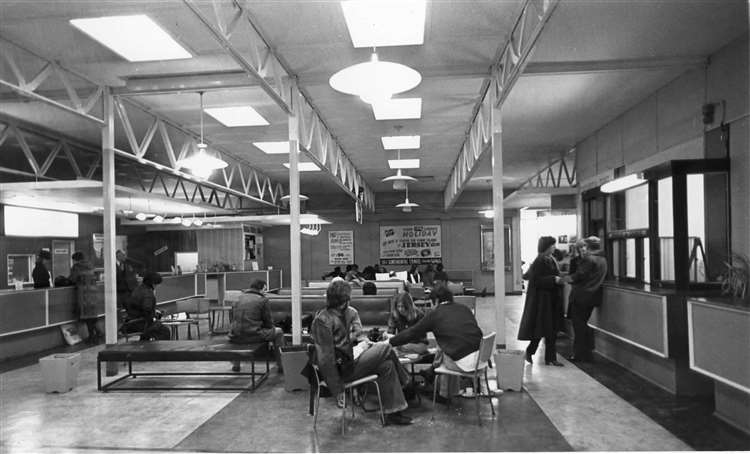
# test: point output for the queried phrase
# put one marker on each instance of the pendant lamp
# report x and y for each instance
(406, 206)
(375, 81)
(201, 164)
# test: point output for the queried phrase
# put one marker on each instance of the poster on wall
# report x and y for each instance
(340, 247)
(404, 244)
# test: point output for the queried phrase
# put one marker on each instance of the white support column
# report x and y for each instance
(498, 221)
(295, 248)
(108, 198)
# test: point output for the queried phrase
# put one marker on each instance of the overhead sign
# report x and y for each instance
(403, 244)
(340, 247)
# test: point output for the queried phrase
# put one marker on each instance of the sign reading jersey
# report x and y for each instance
(402, 244)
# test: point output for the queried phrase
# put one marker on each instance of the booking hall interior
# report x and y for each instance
(218, 142)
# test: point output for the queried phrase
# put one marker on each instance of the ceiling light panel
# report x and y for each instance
(400, 142)
(237, 116)
(398, 109)
(304, 167)
(135, 38)
(403, 163)
(378, 23)
(273, 147)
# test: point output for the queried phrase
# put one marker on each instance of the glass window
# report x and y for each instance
(630, 258)
(666, 229)
(636, 207)
(646, 260)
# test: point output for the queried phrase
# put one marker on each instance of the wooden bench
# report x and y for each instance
(187, 351)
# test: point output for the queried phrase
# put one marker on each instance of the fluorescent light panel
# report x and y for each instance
(400, 142)
(379, 23)
(622, 183)
(398, 109)
(403, 163)
(32, 222)
(237, 116)
(273, 147)
(305, 167)
(135, 38)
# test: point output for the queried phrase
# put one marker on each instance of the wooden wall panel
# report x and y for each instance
(639, 132)
(221, 246)
(679, 103)
(609, 146)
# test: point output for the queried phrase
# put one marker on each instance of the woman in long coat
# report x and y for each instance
(543, 310)
(83, 277)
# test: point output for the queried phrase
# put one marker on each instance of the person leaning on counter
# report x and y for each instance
(40, 275)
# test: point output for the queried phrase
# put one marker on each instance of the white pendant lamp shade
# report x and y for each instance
(302, 198)
(399, 180)
(406, 206)
(375, 81)
(201, 164)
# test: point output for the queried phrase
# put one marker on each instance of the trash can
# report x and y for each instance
(293, 360)
(60, 371)
(509, 369)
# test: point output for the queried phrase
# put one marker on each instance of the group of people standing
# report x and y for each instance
(543, 310)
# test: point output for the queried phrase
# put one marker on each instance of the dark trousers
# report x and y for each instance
(583, 336)
(550, 349)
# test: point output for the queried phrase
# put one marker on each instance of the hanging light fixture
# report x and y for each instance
(375, 81)
(201, 164)
(406, 206)
(400, 181)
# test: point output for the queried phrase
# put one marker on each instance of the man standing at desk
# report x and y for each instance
(126, 279)
(252, 322)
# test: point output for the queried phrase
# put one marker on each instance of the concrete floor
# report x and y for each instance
(560, 409)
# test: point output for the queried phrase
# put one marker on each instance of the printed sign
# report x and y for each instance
(403, 244)
(340, 247)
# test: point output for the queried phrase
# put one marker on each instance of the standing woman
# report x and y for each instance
(83, 277)
(543, 310)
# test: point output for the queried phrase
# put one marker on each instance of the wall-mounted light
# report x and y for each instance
(623, 183)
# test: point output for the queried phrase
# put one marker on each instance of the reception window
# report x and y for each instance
(673, 230)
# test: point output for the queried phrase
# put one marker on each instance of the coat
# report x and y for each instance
(83, 277)
(251, 319)
(587, 280)
(543, 310)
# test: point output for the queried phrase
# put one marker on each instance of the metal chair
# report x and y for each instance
(349, 389)
(483, 360)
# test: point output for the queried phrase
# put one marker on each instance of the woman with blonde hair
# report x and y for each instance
(404, 315)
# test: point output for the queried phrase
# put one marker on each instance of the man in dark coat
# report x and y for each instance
(126, 278)
(586, 295)
(252, 322)
(543, 310)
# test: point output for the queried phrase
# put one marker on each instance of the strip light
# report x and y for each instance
(623, 183)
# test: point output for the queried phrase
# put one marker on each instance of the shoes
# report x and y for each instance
(528, 358)
(554, 363)
(579, 359)
(397, 419)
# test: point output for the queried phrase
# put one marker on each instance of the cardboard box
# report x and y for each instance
(60, 371)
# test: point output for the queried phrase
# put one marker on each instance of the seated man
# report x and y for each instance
(334, 331)
(252, 322)
(456, 332)
(142, 314)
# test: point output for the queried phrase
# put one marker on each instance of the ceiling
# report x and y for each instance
(593, 61)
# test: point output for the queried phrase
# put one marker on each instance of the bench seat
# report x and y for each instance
(185, 351)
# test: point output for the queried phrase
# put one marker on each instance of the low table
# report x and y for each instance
(187, 351)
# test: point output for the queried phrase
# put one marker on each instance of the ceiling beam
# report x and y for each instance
(509, 63)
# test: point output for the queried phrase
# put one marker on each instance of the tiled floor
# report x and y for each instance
(561, 409)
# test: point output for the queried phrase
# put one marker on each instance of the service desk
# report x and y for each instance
(30, 319)
(646, 331)
(719, 341)
(218, 282)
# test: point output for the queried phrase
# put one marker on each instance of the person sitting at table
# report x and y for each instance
(352, 274)
(457, 334)
(414, 276)
(335, 273)
(142, 315)
(368, 273)
(334, 353)
(428, 275)
(252, 322)
(404, 315)
(440, 277)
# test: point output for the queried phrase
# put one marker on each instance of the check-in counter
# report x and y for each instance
(30, 319)
(646, 331)
(719, 340)
(219, 282)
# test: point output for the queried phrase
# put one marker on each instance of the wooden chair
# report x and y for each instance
(482, 363)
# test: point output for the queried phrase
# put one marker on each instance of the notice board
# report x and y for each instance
(403, 244)
(340, 247)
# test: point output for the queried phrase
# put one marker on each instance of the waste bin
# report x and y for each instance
(293, 360)
(509, 368)
(60, 371)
